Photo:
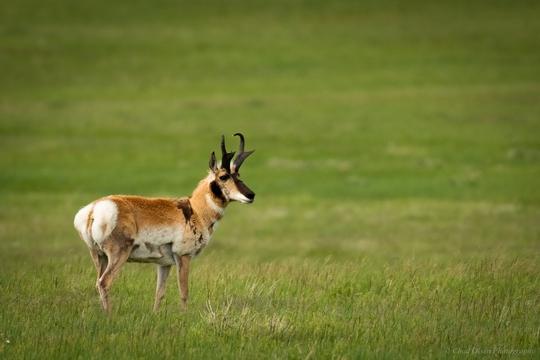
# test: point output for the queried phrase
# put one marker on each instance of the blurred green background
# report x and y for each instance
(395, 140)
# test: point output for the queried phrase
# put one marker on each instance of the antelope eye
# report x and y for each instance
(223, 177)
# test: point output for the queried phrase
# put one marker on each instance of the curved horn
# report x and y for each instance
(242, 155)
(241, 146)
(226, 157)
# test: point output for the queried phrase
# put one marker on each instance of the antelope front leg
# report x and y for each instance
(162, 275)
(182, 268)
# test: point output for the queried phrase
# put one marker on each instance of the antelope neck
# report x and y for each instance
(208, 207)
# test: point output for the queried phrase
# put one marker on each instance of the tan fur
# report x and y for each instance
(137, 213)
(205, 215)
(165, 231)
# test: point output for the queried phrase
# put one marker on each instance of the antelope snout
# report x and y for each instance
(251, 196)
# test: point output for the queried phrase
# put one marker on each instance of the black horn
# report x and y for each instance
(242, 155)
(226, 157)
(212, 162)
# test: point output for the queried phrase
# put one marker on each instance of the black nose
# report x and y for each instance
(250, 196)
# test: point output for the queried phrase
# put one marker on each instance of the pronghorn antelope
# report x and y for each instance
(164, 231)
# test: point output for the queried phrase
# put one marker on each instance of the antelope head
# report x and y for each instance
(227, 177)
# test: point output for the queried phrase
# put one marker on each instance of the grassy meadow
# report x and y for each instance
(397, 176)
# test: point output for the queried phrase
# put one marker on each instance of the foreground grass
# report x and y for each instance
(424, 278)
(396, 174)
(284, 308)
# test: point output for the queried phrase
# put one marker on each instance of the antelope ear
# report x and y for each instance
(212, 164)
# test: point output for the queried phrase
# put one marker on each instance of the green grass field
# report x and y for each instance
(397, 176)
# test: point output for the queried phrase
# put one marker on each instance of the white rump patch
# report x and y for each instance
(105, 215)
(80, 222)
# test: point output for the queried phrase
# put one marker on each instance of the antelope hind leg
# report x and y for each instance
(118, 250)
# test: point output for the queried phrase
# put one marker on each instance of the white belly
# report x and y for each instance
(155, 245)
(160, 235)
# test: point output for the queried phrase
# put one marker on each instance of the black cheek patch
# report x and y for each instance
(244, 190)
(185, 206)
(216, 190)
